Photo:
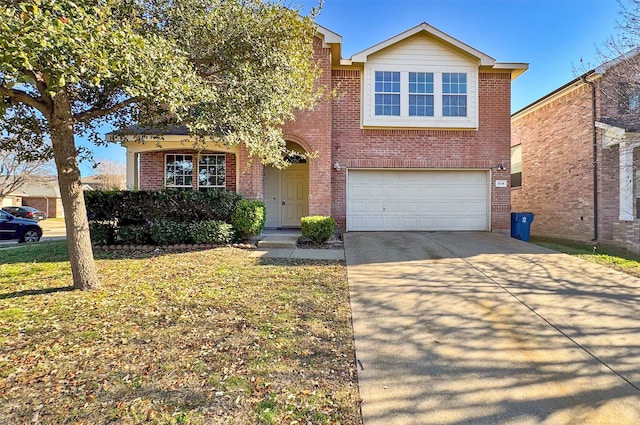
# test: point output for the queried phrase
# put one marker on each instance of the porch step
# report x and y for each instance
(278, 241)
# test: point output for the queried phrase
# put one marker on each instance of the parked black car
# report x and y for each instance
(23, 229)
(26, 212)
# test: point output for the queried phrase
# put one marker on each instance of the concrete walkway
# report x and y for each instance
(479, 328)
(282, 243)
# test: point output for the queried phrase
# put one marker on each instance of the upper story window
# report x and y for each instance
(421, 94)
(178, 170)
(629, 98)
(212, 171)
(387, 93)
(454, 94)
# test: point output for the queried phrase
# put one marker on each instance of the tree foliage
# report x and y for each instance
(232, 69)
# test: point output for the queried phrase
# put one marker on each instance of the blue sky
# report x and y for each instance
(553, 36)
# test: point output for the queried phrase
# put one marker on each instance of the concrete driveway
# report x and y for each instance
(479, 328)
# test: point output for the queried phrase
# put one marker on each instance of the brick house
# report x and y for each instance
(417, 138)
(43, 195)
(573, 162)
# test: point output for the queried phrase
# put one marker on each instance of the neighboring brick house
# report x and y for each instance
(573, 156)
(417, 138)
(43, 195)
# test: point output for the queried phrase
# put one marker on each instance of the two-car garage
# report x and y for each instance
(427, 200)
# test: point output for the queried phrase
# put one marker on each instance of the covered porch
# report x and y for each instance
(626, 231)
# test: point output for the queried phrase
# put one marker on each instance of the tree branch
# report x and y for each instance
(42, 86)
(24, 97)
(90, 114)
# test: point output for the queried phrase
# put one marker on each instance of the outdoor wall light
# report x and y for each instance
(500, 167)
(337, 166)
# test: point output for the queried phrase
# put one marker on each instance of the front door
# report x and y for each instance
(286, 195)
(295, 194)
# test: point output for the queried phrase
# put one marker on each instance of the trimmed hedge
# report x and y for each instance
(139, 207)
(212, 232)
(167, 217)
(318, 228)
(249, 217)
(134, 234)
(102, 232)
(168, 232)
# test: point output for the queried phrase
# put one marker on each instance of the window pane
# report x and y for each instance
(421, 82)
(454, 99)
(516, 180)
(178, 170)
(387, 104)
(212, 171)
(421, 105)
(453, 82)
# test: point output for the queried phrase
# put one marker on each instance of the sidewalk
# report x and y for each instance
(281, 243)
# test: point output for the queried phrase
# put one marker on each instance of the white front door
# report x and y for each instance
(286, 195)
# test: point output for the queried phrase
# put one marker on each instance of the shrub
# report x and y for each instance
(249, 217)
(212, 232)
(168, 232)
(318, 228)
(102, 233)
(134, 234)
(221, 204)
(138, 207)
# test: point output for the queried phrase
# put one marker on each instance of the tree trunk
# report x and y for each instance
(83, 268)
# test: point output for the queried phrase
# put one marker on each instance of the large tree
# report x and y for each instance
(234, 69)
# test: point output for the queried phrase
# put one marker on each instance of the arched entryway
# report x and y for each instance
(286, 191)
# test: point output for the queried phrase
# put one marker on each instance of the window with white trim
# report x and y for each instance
(178, 170)
(421, 94)
(212, 171)
(387, 93)
(454, 94)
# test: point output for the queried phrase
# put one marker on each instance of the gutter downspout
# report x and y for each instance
(595, 156)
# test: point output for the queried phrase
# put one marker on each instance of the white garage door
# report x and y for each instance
(417, 200)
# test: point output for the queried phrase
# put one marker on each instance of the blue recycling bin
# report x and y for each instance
(521, 225)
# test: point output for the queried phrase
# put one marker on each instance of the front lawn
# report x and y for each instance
(608, 255)
(204, 337)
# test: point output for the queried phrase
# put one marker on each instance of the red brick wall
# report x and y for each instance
(230, 181)
(312, 131)
(152, 168)
(251, 175)
(484, 148)
(557, 167)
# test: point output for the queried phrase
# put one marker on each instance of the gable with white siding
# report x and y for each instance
(421, 52)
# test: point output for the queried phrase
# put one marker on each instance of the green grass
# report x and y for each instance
(203, 337)
(608, 255)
